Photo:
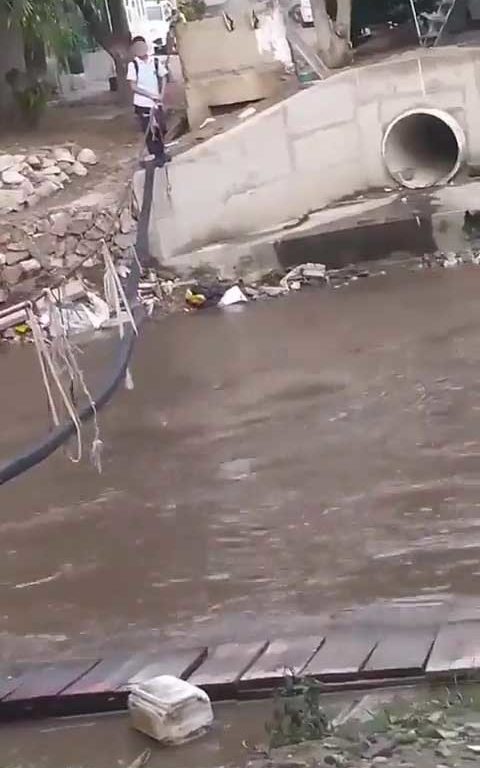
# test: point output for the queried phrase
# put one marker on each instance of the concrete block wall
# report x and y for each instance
(308, 151)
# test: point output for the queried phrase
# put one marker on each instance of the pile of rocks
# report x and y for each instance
(60, 241)
(26, 179)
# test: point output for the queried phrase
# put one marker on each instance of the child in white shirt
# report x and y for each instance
(147, 78)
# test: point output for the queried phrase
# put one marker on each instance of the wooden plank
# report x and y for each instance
(343, 654)
(456, 649)
(119, 671)
(106, 677)
(182, 663)
(401, 653)
(11, 676)
(225, 665)
(282, 655)
(49, 680)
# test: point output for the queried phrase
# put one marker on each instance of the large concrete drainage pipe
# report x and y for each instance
(423, 147)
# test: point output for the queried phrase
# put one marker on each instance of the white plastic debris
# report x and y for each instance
(78, 317)
(206, 122)
(307, 271)
(450, 260)
(233, 295)
(169, 710)
(249, 112)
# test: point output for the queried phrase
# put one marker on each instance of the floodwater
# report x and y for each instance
(108, 741)
(273, 464)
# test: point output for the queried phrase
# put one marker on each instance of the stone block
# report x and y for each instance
(448, 100)
(59, 223)
(325, 104)
(371, 136)
(324, 149)
(31, 266)
(446, 72)
(11, 275)
(15, 257)
(379, 81)
(265, 148)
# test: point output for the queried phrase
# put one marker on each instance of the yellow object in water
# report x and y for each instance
(22, 329)
(194, 299)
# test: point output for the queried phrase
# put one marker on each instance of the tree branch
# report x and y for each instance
(96, 25)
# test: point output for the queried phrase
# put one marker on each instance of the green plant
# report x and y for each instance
(192, 10)
(297, 714)
(31, 102)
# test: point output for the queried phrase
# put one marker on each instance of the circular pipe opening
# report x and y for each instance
(423, 147)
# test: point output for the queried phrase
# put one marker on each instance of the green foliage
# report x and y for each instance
(193, 10)
(47, 20)
(297, 714)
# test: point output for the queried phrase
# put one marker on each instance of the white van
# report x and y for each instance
(159, 18)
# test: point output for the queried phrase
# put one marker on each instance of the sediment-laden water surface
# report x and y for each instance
(285, 458)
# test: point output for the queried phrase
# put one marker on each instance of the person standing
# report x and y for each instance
(147, 77)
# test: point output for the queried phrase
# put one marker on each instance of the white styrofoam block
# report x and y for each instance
(169, 710)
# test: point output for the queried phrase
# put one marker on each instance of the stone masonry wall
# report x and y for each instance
(37, 250)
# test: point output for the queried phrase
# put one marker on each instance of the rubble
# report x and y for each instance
(25, 179)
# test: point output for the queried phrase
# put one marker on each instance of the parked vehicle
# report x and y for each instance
(159, 19)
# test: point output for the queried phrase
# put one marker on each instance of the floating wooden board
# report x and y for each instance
(226, 664)
(456, 649)
(49, 680)
(342, 655)
(280, 657)
(11, 676)
(107, 676)
(401, 653)
(178, 663)
(117, 672)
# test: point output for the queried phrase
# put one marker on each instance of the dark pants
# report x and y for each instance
(154, 135)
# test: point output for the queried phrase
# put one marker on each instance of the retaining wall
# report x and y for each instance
(308, 151)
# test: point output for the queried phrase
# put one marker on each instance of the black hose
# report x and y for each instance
(34, 454)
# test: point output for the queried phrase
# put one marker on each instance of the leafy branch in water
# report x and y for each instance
(297, 714)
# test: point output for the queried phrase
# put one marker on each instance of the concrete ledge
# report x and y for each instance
(347, 654)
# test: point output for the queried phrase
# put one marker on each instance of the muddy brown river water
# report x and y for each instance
(284, 459)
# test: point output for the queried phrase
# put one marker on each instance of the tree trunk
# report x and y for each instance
(344, 16)
(333, 38)
(115, 39)
(124, 93)
(35, 59)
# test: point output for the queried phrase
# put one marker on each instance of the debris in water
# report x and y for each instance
(35, 583)
(249, 112)
(233, 295)
(141, 760)
(206, 122)
(450, 260)
(304, 273)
